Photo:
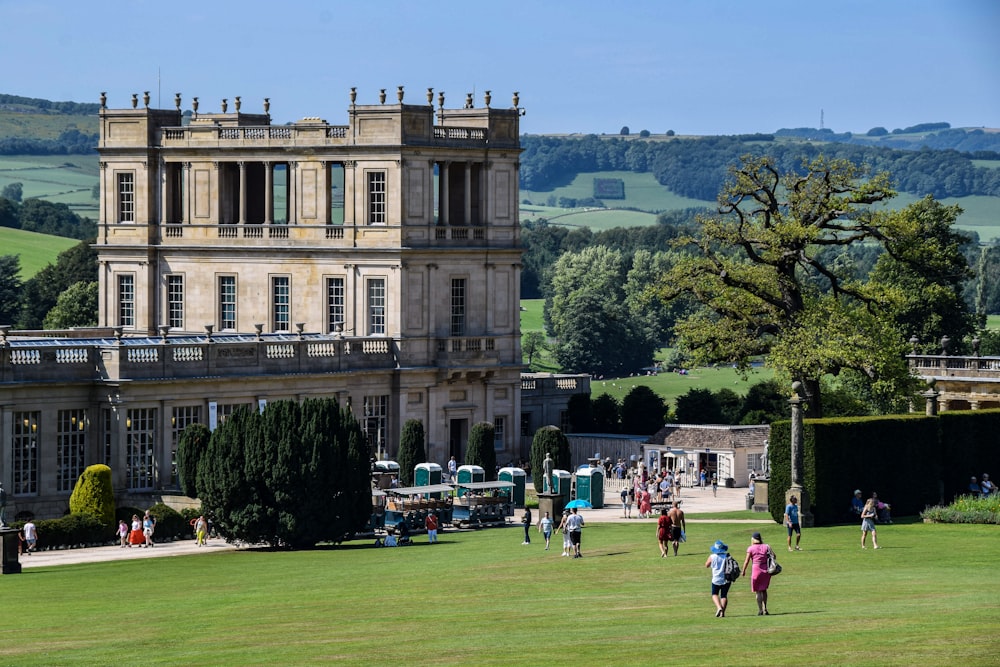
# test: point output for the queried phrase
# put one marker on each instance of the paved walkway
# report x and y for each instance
(693, 501)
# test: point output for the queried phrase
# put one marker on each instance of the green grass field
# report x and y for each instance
(62, 179)
(928, 597)
(35, 250)
(643, 192)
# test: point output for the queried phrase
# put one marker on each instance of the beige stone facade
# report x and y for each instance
(243, 262)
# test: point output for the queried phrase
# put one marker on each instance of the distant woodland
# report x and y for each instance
(697, 167)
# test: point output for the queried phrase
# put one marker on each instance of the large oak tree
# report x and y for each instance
(766, 288)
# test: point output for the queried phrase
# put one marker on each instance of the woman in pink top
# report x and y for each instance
(757, 553)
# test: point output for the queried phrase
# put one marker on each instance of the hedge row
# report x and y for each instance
(84, 530)
(911, 461)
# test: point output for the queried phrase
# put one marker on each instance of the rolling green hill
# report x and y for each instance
(644, 198)
(61, 179)
(35, 250)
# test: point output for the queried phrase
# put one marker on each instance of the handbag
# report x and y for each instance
(772, 563)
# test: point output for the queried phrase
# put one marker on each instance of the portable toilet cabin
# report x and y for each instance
(425, 474)
(517, 477)
(470, 473)
(590, 485)
(563, 481)
(384, 472)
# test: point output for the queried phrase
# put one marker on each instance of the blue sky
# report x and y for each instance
(693, 66)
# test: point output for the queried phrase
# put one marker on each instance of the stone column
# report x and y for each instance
(243, 192)
(443, 198)
(186, 201)
(797, 490)
(468, 195)
(292, 199)
(164, 193)
(268, 193)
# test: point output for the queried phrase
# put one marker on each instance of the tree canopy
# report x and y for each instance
(294, 475)
(481, 451)
(765, 287)
(411, 450)
(597, 327)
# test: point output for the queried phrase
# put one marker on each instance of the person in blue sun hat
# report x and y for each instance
(720, 587)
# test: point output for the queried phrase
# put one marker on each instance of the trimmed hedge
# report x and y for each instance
(911, 461)
(72, 530)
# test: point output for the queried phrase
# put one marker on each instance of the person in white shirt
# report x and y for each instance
(574, 526)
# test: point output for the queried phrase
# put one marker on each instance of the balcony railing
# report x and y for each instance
(283, 136)
(66, 360)
(180, 356)
(948, 366)
(417, 236)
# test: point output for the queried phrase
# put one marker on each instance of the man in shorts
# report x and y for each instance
(627, 495)
(574, 526)
(678, 525)
(792, 522)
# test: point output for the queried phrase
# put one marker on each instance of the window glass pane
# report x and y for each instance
(175, 302)
(227, 302)
(140, 436)
(376, 306)
(281, 298)
(71, 442)
(126, 197)
(376, 198)
(126, 300)
(24, 459)
(335, 304)
(458, 307)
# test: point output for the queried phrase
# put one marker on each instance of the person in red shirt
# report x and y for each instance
(431, 524)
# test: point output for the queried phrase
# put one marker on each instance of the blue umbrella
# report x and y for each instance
(579, 504)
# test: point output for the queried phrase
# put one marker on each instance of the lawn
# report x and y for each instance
(35, 250)
(928, 597)
(62, 179)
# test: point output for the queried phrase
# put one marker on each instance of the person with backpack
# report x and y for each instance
(725, 570)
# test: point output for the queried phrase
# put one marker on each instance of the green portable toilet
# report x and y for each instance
(517, 477)
(425, 474)
(563, 481)
(470, 473)
(590, 485)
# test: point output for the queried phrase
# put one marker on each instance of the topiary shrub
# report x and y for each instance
(170, 525)
(94, 495)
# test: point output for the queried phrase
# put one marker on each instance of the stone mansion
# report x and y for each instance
(377, 262)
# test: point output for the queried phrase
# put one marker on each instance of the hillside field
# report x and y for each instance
(35, 250)
(62, 179)
(642, 192)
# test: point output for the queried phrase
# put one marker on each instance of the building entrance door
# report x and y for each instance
(458, 434)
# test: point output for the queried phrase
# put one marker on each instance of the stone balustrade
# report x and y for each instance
(312, 235)
(186, 356)
(66, 360)
(987, 368)
(297, 136)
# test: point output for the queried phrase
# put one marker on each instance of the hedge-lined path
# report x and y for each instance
(693, 501)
